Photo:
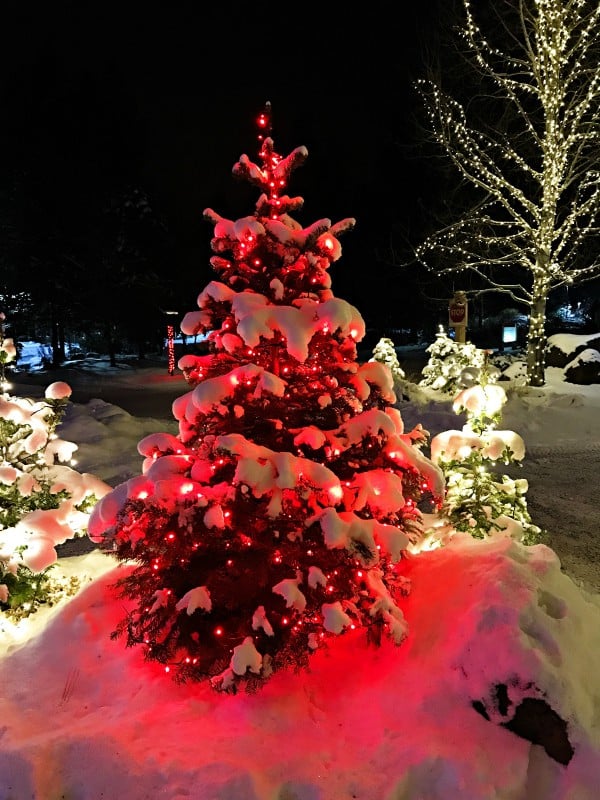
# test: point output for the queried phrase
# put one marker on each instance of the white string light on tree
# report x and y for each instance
(535, 165)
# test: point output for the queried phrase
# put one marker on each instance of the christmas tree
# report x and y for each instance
(279, 516)
(447, 360)
(479, 499)
(43, 501)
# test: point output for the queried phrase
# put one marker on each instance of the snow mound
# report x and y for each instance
(369, 722)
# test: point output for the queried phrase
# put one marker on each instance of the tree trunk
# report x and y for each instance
(61, 341)
(110, 343)
(536, 338)
(55, 340)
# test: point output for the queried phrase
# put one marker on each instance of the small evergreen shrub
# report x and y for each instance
(43, 502)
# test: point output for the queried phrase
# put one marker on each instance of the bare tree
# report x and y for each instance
(527, 140)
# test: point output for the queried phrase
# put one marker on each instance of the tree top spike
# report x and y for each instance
(265, 122)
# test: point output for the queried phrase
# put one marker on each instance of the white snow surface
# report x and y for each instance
(83, 717)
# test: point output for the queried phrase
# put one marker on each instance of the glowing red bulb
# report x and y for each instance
(218, 631)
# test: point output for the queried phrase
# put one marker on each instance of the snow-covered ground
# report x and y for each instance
(84, 718)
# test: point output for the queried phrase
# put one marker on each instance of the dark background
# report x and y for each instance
(102, 100)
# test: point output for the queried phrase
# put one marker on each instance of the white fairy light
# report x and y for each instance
(541, 184)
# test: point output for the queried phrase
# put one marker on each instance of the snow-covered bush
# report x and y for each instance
(43, 502)
(447, 360)
(504, 360)
(478, 498)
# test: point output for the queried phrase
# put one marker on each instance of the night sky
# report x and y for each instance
(102, 94)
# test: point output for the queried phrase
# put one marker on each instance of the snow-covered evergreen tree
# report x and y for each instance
(43, 502)
(447, 360)
(385, 352)
(278, 517)
(478, 498)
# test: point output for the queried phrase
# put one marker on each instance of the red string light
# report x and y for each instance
(171, 349)
(270, 159)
